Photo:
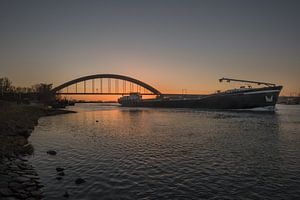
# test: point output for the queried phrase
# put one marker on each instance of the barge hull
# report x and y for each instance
(247, 99)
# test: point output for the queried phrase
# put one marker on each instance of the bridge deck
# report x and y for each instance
(98, 93)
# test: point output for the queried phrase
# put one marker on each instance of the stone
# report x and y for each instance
(5, 178)
(37, 181)
(66, 195)
(30, 198)
(39, 185)
(37, 194)
(31, 176)
(61, 173)
(23, 166)
(29, 171)
(79, 181)
(97, 121)
(51, 152)
(3, 184)
(13, 174)
(22, 159)
(59, 169)
(22, 179)
(27, 149)
(30, 189)
(19, 126)
(5, 192)
(22, 194)
(15, 186)
(3, 168)
(14, 168)
(29, 184)
(24, 132)
(21, 173)
(9, 198)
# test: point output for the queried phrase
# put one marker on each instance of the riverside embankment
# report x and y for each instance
(18, 179)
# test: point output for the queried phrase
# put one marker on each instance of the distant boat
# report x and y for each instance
(242, 98)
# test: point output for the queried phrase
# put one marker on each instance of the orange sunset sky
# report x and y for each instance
(171, 45)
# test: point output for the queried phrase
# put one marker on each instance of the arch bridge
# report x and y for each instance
(105, 84)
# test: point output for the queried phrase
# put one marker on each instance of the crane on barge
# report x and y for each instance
(246, 81)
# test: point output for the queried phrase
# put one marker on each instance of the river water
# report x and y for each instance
(145, 153)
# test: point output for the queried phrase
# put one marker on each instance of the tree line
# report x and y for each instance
(6, 87)
(41, 91)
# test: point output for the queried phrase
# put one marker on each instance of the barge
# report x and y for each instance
(242, 98)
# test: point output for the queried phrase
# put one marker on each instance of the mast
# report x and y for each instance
(245, 81)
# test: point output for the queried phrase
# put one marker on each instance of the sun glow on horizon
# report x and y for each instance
(175, 47)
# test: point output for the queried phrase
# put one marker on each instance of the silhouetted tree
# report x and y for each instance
(5, 85)
(41, 92)
(44, 93)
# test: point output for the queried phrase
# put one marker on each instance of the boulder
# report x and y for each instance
(79, 181)
(59, 169)
(24, 132)
(61, 173)
(51, 152)
(5, 192)
(66, 195)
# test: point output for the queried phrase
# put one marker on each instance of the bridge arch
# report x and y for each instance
(114, 76)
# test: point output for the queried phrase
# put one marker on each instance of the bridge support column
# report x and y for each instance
(124, 86)
(93, 86)
(116, 86)
(101, 85)
(109, 82)
(84, 87)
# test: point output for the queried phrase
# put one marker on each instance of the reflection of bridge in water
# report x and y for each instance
(105, 84)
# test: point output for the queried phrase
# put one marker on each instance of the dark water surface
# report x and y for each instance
(170, 153)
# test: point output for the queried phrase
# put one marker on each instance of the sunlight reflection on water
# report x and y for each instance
(144, 153)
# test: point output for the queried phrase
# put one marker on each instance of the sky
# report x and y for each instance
(169, 44)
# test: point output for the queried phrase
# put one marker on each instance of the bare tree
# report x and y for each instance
(5, 85)
(44, 93)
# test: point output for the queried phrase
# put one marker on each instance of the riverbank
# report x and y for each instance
(18, 179)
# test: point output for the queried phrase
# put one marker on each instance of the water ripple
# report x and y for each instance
(148, 153)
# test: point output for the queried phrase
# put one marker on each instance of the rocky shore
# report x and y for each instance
(18, 179)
